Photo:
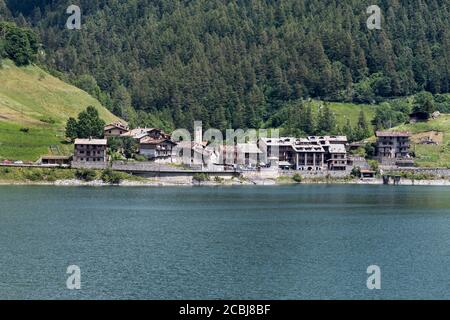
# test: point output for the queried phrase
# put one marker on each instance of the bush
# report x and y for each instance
(201, 177)
(34, 175)
(374, 165)
(6, 170)
(356, 172)
(111, 177)
(50, 178)
(218, 179)
(48, 120)
(361, 152)
(297, 178)
(140, 158)
(415, 176)
(25, 130)
(86, 174)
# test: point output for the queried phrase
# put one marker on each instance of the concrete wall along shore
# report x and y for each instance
(438, 172)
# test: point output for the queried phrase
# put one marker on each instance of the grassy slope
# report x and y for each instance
(344, 111)
(29, 95)
(431, 155)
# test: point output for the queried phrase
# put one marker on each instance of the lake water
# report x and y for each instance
(285, 242)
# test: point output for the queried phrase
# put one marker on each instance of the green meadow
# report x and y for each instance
(431, 155)
(34, 107)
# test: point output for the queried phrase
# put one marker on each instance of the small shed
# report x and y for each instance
(55, 160)
(367, 174)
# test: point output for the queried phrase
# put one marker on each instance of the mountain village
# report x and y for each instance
(312, 156)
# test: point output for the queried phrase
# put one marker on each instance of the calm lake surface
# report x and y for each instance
(292, 242)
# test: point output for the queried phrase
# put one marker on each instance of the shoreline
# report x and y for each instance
(266, 182)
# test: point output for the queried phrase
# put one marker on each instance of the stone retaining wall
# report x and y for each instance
(90, 165)
(317, 174)
(438, 172)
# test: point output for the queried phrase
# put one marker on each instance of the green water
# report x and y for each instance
(293, 242)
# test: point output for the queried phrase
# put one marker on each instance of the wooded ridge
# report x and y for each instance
(236, 63)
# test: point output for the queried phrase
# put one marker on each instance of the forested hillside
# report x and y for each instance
(239, 62)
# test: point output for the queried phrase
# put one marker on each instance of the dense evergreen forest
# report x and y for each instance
(236, 63)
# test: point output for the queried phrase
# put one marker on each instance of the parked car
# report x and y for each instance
(18, 162)
(6, 162)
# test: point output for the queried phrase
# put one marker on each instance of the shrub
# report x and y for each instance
(6, 170)
(140, 158)
(297, 178)
(86, 174)
(116, 156)
(374, 165)
(356, 172)
(48, 120)
(34, 175)
(25, 130)
(218, 179)
(51, 178)
(110, 176)
(201, 177)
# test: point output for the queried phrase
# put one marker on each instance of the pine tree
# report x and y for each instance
(347, 130)
(89, 124)
(71, 129)
(327, 121)
(362, 130)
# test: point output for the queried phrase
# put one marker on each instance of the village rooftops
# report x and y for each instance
(51, 157)
(392, 134)
(309, 148)
(328, 139)
(138, 133)
(153, 141)
(93, 142)
(337, 148)
(284, 141)
(311, 140)
(118, 125)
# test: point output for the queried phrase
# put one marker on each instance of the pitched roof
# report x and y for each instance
(328, 138)
(137, 133)
(393, 134)
(152, 141)
(117, 125)
(308, 148)
(51, 157)
(337, 148)
(97, 142)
